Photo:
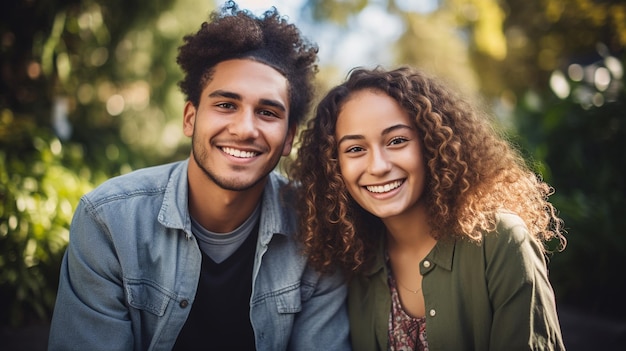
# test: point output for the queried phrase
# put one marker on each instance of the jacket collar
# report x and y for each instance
(277, 214)
(174, 211)
(277, 217)
(441, 255)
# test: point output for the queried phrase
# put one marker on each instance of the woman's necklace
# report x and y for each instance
(388, 259)
(404, 287)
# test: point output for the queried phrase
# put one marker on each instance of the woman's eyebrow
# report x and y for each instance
(384, 132)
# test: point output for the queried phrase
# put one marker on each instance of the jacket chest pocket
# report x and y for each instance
(148, 297)
(289, 301)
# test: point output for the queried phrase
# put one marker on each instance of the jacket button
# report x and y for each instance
(426, 264)
(184, 304)
(432, 312)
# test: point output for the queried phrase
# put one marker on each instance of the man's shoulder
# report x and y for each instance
(278, 205)
(282, 190)
(144, 181)
(278, 179)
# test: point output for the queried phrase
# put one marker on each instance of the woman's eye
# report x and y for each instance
(354, 149)
(398, 140)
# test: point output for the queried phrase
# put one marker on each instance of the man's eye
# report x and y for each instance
(268, 113)
(225, 105)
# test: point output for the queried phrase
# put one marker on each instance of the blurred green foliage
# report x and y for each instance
(37, 196)
(580, 150)
(88, 91)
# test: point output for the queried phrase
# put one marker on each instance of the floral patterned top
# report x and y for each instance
(406, 333)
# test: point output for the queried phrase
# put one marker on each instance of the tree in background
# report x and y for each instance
(88, 91)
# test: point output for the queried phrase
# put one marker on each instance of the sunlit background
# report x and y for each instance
(89, 91)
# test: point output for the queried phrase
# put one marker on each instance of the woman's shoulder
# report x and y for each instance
(510, 236)
(509, 224)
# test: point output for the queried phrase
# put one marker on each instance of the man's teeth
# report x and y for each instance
(239, 153)
(384, 188)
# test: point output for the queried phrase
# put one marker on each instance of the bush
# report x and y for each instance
(38, 193)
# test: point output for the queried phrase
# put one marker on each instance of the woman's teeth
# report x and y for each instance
(384, 188)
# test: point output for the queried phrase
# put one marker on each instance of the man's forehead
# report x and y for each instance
(248, 78)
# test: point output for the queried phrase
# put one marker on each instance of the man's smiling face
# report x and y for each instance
(240, 128)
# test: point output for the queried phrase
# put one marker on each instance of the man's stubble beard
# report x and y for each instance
(199, 153)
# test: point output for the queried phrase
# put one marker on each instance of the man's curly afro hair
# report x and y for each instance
(232, 33)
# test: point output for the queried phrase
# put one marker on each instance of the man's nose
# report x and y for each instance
(244, 125)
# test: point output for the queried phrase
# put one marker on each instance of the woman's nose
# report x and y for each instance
(379, 162)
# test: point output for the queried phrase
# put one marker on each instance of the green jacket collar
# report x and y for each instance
(441, 255)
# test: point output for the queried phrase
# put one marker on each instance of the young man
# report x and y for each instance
(201, 253)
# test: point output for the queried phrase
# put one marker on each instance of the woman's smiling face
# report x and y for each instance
(380, 154)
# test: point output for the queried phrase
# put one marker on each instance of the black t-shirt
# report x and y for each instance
(220, 316)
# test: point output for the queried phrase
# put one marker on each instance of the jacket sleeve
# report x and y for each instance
(90, 311)
(322, 324)
(523, 302)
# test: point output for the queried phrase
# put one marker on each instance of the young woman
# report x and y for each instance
(436, 218)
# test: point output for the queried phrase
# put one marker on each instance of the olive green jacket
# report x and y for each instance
(489, 296)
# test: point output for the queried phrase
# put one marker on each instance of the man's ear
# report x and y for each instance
(189, 118)
(291, 134)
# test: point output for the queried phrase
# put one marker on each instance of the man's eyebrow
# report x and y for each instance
(273, 103)
(235, 96)
(226, 94)
(384, 132)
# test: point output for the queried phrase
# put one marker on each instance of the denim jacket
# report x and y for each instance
(129, 275)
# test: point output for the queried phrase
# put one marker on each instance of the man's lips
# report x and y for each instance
(239, 153)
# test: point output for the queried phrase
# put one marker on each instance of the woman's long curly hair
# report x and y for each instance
(472, 173)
